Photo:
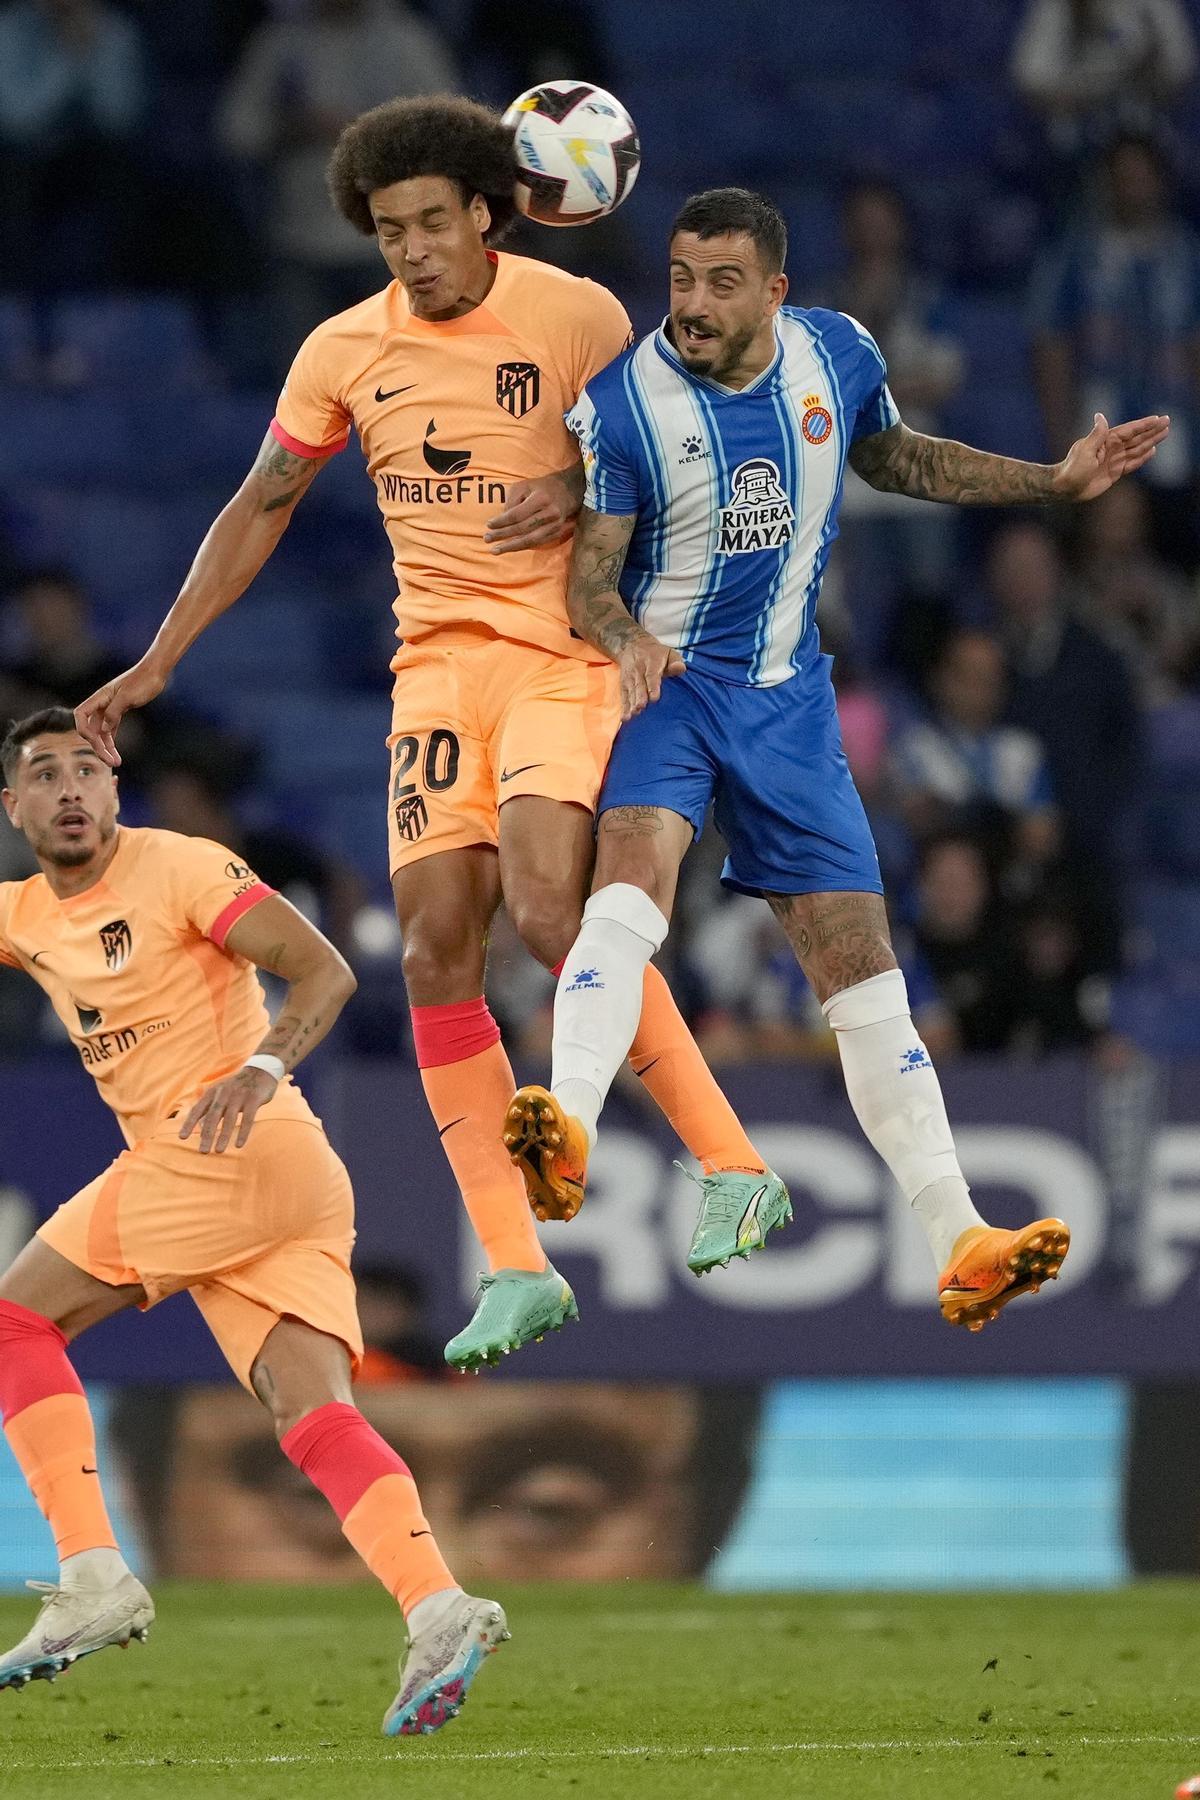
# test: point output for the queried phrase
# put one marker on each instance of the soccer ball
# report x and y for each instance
(1187, 1788)
(577, 152)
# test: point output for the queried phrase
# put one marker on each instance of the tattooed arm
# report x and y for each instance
(276, 937)
(600, 616)
(238, 543)
(900, 461)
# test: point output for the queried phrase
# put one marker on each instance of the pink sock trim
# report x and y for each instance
(450, 1034)
(341, 1454)
(33, 1360)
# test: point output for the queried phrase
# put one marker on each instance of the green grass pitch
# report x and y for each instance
(631, 1691)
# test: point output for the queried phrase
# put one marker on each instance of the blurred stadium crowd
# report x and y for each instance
(997, 188)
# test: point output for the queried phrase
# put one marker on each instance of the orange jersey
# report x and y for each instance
(451, 416)
(137, 970)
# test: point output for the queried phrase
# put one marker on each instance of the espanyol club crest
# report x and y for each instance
(817, 423)
(759, 516)
(117, 941)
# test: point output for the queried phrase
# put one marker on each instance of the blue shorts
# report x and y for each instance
(771, 761)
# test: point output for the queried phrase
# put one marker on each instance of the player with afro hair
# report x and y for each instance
(442, 135)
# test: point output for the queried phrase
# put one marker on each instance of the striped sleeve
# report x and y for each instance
(611, 475)
(877, 411)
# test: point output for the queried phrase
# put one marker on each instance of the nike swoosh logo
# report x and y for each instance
(511, 774)
(451, 1125)
(84, 1470)
(392, 392)
(642, 1073)
(56, 1646)
(425, 1533)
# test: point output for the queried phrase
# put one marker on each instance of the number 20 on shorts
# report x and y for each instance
(439, 764)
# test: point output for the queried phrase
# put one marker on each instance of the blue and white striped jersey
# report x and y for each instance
(736, 494)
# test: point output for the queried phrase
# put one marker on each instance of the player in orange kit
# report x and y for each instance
(456, 378)
(147, 945)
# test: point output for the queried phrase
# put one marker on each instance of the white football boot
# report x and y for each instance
(440, 1665)
(73, 1622)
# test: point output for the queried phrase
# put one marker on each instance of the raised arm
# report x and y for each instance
(900, 461)
(275, 936)
(600, 616)
(238, 543)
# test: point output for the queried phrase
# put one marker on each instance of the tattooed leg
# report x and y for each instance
(839, 939)
(642, 846)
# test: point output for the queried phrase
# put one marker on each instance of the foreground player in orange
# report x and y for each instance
(456, 377)
(146, 944)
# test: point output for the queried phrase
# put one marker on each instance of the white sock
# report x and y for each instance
(945, 1210)
(432, 1610)
(583, 1102)
(92, 1569)
(898, 1102)
(599, 999)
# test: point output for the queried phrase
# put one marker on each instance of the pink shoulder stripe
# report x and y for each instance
(225, 921)
(298, 449)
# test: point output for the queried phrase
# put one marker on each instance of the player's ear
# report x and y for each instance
(481, 214)
(116, 798)
(10, 807)
(777, 289)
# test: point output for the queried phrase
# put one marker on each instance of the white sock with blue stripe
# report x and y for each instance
(897, 1099)
(599, 998)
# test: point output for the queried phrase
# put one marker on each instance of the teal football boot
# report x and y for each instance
(516, 1307)
(736, 1213)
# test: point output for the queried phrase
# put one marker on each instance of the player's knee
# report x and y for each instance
(441, 959)
(545, 925)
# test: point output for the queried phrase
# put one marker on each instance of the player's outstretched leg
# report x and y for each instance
(468, 1081)
(741, 1199)
(303, 1377)
(97, 1601)
(597, 1006)
(608, 991)
(897, 1100)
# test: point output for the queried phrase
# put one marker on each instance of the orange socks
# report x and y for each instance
(666, 1057)
(468, 1083)
(371, 1491)
(50, 1432)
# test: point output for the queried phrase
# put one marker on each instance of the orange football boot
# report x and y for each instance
(551, 1150)
(990, 1266)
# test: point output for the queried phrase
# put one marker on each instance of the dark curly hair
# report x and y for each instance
(442, 135)
(52, 721)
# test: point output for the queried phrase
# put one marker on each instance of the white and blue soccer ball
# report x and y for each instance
(577, 149)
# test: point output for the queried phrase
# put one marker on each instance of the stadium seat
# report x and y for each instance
(352, 823)
(82, 439)
(131, 553)
(131, 341)
(1167, 935)
(266, 637)
(320, 739)
(16, 337)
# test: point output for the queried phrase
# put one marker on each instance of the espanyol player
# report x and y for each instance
(715, 452)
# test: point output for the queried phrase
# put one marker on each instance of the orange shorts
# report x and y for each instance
(255, 1235)
(478, 720)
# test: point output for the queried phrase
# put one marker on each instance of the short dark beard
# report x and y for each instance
(69, 859)
(716, 367)
(74, 856)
